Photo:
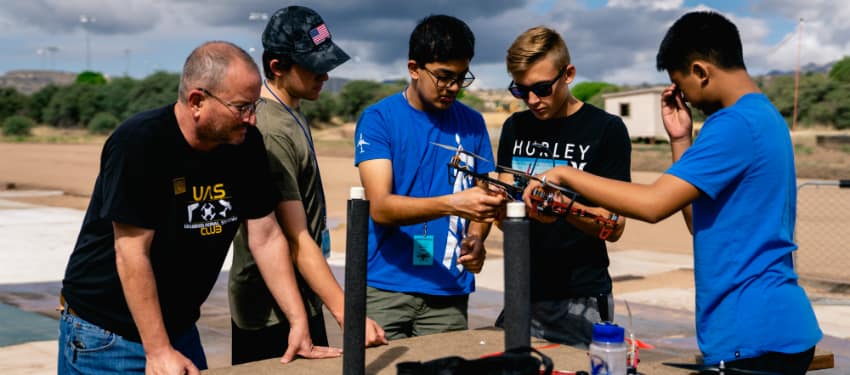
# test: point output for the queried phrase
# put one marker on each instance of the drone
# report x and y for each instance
(457, 163)
(512, 191)
(549, 199)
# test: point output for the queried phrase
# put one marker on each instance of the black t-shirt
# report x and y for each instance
(566, 262)
(194, 201)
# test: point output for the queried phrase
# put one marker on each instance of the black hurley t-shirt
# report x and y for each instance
(194, 201)
(566, 262)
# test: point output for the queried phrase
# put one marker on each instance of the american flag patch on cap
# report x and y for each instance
(319, 34)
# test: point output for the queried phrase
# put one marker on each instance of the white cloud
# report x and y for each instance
(650, 4)
(615, 43)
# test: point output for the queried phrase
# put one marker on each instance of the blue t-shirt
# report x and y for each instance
(392, 129)
(748, 301)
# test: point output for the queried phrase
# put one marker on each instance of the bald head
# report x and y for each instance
(207, 66)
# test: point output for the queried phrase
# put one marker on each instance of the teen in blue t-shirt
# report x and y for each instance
(736, 187)
(428, 223)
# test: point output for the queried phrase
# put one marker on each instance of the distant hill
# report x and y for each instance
(808, 68)
(29, 81)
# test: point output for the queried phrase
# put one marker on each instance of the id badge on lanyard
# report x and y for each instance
(423, 249)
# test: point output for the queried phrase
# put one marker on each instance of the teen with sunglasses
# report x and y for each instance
(569, 262)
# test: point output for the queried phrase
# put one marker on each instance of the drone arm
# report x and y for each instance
(646, 202)
(592, 225)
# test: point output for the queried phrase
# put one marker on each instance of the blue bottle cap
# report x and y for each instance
(608, 333)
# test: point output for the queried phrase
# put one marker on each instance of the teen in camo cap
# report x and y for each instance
(301, 34)
(298, 55)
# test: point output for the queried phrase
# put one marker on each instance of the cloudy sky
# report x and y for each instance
(613, 41)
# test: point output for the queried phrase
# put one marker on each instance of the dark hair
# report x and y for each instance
(441, 38)
(284, 63)
(702, 35)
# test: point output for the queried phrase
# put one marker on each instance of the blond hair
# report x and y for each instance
(534, 44)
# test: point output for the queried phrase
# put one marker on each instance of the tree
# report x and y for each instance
(841, 96)
(472, 101)
(597, 100)
(103, 123)
(74, 105)
(40, 100)
(355, 96)
(12, 102)
(92, 78)
(586, 90)
(156, 90)
(780, 91)
(321, 110)
(841, 70)
(17, 125)
(116, 95)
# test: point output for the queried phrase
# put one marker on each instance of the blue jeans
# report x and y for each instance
(85, 348)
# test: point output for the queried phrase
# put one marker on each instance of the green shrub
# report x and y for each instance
(18, 125)
(102, 123)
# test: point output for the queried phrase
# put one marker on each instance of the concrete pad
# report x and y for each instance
(644, 262)
(6, 204)
(32, 358)
(834, 320)
(671, 298)
(29, 193)
(37, 241)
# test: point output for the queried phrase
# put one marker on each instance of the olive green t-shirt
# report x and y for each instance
(296, 175)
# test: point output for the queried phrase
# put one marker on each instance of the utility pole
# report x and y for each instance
(85, 20)
(262, 17)
(127, 67)
(797, 75)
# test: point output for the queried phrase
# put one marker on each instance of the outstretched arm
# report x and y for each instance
(588, 225)
(476, 204)
(311, 263)
(651, 203)
(269, 248)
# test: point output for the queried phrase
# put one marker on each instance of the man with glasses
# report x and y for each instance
(174, 185)
(426, 236)
(570, 284)
(295, 65)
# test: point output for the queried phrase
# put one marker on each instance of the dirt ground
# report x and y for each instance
(72, 169)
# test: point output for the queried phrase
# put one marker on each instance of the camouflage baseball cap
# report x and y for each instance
(301, 34)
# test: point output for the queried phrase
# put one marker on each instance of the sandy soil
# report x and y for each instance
(72, 168)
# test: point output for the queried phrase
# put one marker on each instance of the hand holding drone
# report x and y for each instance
(547, 200)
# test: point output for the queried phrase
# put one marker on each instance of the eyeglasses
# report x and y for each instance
(442, 82)
(541, 89)
(243, 111)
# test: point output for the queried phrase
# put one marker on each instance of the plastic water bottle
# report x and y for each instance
(608, 350)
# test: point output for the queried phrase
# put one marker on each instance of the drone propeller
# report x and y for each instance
(521, 174)
(459, 150)
(515, 172)
(714, 369)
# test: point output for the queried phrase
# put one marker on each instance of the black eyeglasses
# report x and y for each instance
(541, 89)
(442, 82)
(243, 111)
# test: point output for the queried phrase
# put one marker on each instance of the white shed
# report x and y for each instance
(640, 110)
